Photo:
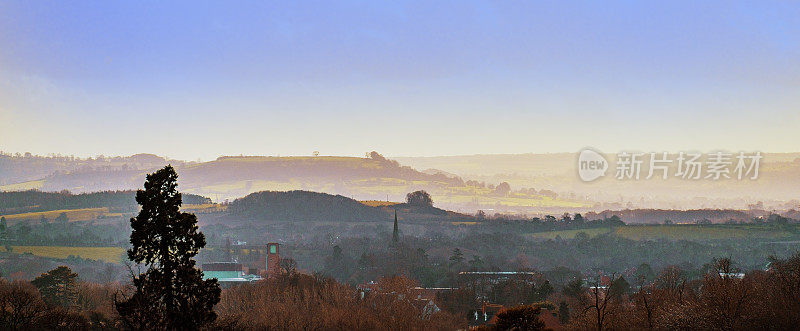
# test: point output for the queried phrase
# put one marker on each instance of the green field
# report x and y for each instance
(107, 254)
(680, 232)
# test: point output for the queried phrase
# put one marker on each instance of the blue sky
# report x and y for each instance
(201, 79)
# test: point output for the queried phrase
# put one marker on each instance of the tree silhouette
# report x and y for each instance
(171, 293)
(3, 227)
(520, 318)
(58, 286)
(419, 198)
(457, 256)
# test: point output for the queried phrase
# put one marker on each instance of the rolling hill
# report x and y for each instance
(232, 177)
(305, 206)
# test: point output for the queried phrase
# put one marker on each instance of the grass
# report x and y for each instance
(107, 254)
(74, 215)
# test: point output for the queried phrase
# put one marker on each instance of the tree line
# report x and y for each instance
(35, 201)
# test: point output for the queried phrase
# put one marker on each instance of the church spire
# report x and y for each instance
(396, 233)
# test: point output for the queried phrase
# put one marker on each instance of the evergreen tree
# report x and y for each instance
(58, 286)
(563, 312)
(456, 257)
(396, 232)
(171, 293)
(574, 288)
(3, 226)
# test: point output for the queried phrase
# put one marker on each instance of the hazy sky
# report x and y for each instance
(201, 79)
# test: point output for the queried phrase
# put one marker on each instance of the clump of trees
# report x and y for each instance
(57, 286)
(419, 199)
(520, 318)
(56, 300)
(724, 298)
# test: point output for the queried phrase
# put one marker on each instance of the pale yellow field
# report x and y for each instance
(204, 208)
(376, 203)
(24, 186)
(107, 254)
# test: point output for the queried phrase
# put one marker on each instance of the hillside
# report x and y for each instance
(232, 177)
(115, 201)
(303, 206)
(31, 169)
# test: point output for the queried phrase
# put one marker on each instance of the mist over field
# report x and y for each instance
(534, 183)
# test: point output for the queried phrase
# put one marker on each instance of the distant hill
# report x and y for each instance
(26, 168)
(232, 177)
(303, 206)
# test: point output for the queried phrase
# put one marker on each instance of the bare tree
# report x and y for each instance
(20, 305)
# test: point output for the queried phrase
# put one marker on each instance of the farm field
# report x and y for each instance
(377, 203)
(24, 186)
(679, 232)
(204, 208)
(107, 254)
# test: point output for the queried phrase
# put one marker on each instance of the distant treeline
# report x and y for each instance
(303, 206)
(634, 216)
(35, 201)
(16, 168)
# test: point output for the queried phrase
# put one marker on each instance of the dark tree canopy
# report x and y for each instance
(58, 286)
(171, 293)
(520, 318)
(419, 198)
(303, 206)
(502, 189)
(35, 201)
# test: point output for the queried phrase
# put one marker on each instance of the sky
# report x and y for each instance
(199, 79)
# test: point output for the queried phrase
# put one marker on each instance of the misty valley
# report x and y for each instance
(461, 268)
(399, 165)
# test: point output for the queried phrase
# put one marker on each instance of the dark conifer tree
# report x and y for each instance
(171, 293)
(58, 286)
(396, 232)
